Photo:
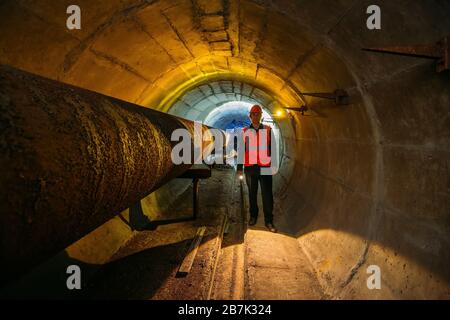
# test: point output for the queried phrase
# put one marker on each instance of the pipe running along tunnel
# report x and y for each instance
(360, 184)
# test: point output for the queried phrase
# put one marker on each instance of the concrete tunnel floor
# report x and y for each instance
(252, 263)
(360, 185)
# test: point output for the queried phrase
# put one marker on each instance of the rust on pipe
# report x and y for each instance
(70, 160)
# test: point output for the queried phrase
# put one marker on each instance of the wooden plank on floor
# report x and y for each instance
(186, 265)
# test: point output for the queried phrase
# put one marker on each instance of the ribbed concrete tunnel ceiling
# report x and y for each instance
(233, 115)
(361, 184)
(205, 99)
(230, 115)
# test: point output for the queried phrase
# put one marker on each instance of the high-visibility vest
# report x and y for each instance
(255, 144)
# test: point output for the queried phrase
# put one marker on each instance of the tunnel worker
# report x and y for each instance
(257, 156)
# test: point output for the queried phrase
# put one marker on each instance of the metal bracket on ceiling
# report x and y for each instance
(439, 52)
(301, 109)
(340, 97)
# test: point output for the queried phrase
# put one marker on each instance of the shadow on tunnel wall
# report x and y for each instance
(49, 280)
(140, 222)
(137, 276)
(316, 200)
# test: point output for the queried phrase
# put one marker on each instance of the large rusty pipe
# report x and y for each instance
(70, 160)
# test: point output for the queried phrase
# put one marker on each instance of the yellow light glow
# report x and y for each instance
(185, 77)
(279, 113)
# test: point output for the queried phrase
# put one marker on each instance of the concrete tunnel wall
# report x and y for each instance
(363, 184)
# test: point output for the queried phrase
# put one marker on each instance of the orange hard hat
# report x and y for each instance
(256, 109)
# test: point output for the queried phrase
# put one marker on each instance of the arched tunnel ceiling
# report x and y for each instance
(198, 102)
(150, 48)
(229, 116)
(234, 115)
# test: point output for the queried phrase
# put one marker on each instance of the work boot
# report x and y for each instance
(271, 227)
(252, 221)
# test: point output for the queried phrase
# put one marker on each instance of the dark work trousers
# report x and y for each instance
(252, 177)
